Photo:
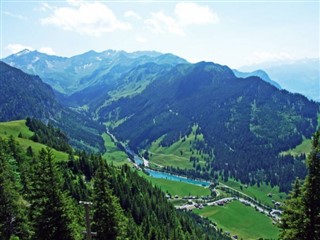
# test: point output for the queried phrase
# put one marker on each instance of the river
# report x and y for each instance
(158, 174)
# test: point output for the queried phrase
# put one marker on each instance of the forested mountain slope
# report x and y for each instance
(23, 95)
(150, 98)
(125, 206)
(245, 123)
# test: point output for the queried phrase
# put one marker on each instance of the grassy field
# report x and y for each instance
(241, 220)
(177, 188)
(178, 154)
(14, 128)
(113, 154)
(132, 88)
(260, 193)
(304, 147)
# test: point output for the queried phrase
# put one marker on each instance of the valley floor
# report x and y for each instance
(240, 220)
(245, 218)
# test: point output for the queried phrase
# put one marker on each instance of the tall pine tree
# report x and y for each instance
(109, 220)
(13, 217)
(301, 216)
(311, 194)
(50, 207)
(292, 218)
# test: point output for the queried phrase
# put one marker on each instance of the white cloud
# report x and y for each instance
(140, 39)
(14, 15)
(46, 6)
(264, 56)
(47, 50)
(15, 48)
(192, 13)
(87, 18)
(132, 14)
(161, 23)
(76, 2)
(185, 14)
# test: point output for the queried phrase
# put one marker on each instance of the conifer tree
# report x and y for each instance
(13, 217)
(301, 216)
(50, 207)
(292, 218)
(311, 194)
(109, 220)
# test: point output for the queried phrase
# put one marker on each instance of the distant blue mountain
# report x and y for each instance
(298, 76)
(258, 73)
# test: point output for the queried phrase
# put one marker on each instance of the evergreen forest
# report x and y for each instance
(40, 194)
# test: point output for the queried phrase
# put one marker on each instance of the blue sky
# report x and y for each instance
(234, 33)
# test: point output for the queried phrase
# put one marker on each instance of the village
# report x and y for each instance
(200, 202)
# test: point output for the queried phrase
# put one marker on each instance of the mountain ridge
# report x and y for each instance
(238, 117)
(258, 73)
(32, 96)
(298, 76)
(69, 75)
(23, 95)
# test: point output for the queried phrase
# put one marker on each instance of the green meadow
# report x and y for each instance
(260, 193)
(113, 154)
(241, 220)
(303, 147)
(178, 154)
(16, 128)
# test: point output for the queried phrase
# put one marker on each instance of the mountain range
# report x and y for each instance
(298, 76)
(69, 75)
(244, 122)
(241, 121)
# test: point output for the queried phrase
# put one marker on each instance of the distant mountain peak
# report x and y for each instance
(214, 67)
(297, 76)
(257, 73)
(24, 51)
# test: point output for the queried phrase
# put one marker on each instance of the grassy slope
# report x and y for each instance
(130, 89)
(303, 147)
(171, 156)
(260, 193)
(14, 128)
(113, 154)
(241, 220)
(177, 188)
